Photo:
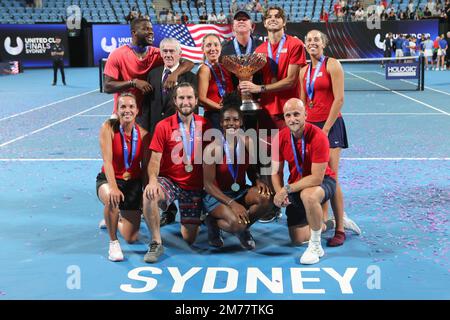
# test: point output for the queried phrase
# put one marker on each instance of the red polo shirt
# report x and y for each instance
(317, 151)
(167, 140)
(124, 65)
(293, 52)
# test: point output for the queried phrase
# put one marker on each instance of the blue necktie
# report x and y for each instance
(166, 74)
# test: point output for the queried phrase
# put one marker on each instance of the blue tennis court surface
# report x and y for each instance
(395, 177)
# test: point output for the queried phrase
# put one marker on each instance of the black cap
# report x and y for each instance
(242, 12)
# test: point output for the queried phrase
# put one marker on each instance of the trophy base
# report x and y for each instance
(250, 106)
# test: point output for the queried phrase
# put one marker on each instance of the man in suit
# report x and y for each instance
(158, 104)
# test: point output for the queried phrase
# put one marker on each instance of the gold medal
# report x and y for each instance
(188, 168)
(311, 104)
(126, 176)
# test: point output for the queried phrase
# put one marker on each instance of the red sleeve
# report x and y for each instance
(156, 60)
(112, 68)
(159, 138)
(298, 54)
(320, 148)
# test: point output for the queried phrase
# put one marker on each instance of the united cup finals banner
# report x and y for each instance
(30, 44)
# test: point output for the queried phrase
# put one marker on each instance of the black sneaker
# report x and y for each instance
(271, 215)
(155, 250)
(214, 233)
(168, 217)
(54, 84)
(246, 239)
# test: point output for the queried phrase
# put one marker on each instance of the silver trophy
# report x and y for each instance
(244, 66)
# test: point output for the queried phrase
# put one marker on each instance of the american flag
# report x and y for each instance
(190, 37)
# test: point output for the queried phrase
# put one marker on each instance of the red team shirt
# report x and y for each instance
(293, 52)
(317, 151)
(213, 90)
(118, 161)
(224, 179)
(166, 138)
(323, 94)
(124, 65)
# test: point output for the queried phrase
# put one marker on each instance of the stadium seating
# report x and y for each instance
(115, 11)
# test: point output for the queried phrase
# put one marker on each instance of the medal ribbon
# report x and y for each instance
(274, 64)
(137, 49)
(187, 148)
(294, 150)
(237, 49)
(125, 147)
(233, 171)
(220, 84)
(309, 84)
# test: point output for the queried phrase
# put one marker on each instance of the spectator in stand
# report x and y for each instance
(233, 7)
(359, 14)
(184, 18)
(132, 15)
(222, 18)
(427, 14)
(338, 11)
(212, 18)
(163, 16)
(431, 5)
(410, 6)
(258, 7)
(392, 16)
(203, 18)
(177, 18)
(324, 16)
(170, 18)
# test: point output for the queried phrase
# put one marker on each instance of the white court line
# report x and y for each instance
(401, 94)
(426, 87)
(47, 105)
(53, 124)
(391, 114)
(99, 159)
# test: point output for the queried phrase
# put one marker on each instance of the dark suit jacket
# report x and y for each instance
(157, 106)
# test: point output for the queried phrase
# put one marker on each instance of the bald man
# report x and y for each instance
(311, 181)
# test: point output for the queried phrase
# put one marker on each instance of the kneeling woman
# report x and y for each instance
(119, 185)
(231, 205)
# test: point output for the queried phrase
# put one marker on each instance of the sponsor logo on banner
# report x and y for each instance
(31, 44)
(108, 48)
(14, 51)
(402, 71)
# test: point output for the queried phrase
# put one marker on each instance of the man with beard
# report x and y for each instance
(173, 173)
(128, 66)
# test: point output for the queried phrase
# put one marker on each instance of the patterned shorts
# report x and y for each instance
(189, 201)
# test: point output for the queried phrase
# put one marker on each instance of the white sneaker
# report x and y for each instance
(351, 225)
(102, 224)
(115, 252)
(312, 254)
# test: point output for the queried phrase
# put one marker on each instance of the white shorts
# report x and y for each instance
(399, 53)
(441, 52)
(428, 53)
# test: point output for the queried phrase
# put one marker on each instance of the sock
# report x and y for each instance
(315, 235)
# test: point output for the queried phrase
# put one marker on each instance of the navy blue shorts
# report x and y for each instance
(131, 189)
(295, 212)
(337, 135)
(210, 203)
